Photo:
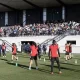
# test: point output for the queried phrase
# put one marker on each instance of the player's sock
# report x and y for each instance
(29, 68)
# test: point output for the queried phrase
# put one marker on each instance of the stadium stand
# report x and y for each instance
(40, 29)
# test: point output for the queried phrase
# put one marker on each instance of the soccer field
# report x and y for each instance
(8, 70)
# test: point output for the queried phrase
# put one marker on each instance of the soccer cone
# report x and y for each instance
(76, 61)
(16, 64)
(44, 59)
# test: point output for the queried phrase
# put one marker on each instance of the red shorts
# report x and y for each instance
(13, 53)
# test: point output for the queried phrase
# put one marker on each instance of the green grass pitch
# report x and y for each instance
(8, 70)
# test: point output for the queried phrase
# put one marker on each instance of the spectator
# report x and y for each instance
(39, 51)
(41, 29)
(4, 50)
(0, 50)
(23, 47)
(44, 49)
(27, 48)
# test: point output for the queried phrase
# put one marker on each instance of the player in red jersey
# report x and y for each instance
(54, 55)
(14, 52)
(70, 50)
(33, 55)
(67, 49)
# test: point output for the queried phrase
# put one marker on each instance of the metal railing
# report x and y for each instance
(8, 45)
(57, 38)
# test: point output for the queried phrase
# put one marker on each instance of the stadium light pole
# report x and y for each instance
(6, 18)
(63, 13)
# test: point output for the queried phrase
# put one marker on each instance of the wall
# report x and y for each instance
(75, 48)
(40, 39)
(17, 40)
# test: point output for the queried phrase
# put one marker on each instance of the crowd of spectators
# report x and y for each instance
(40, 29)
